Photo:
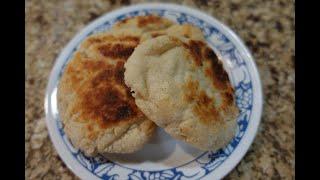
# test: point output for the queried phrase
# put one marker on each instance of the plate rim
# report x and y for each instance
(252, 128)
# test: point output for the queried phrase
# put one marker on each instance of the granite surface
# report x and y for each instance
(267, 28)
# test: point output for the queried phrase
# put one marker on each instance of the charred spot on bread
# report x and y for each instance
(116, 51)
(204, 105)
(150, 19)
(195, 48)
(102, 96)
(216, 71)
(119, 72)
(127, 38)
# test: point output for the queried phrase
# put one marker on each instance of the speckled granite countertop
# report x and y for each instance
(267, 27)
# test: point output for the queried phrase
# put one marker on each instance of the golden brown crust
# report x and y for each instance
(103, 96)
(125, 38)
(191, 88)
(97, 98)
(202, 53)
(96, 106)
(142, 21)
(205, 107)
(218, 74)
(116, 51)
(145, 23)
(195, 48)
(151, 19)
(206, 112)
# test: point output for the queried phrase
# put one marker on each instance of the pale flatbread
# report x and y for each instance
(179, 83)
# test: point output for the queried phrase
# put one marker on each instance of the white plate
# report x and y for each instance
(164, 157)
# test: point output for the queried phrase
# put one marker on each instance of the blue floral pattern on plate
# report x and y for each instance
(206, 162)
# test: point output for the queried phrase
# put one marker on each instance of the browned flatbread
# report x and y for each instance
(97, 110)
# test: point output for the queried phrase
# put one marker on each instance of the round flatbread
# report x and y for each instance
(97, 110)
(179, 83)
